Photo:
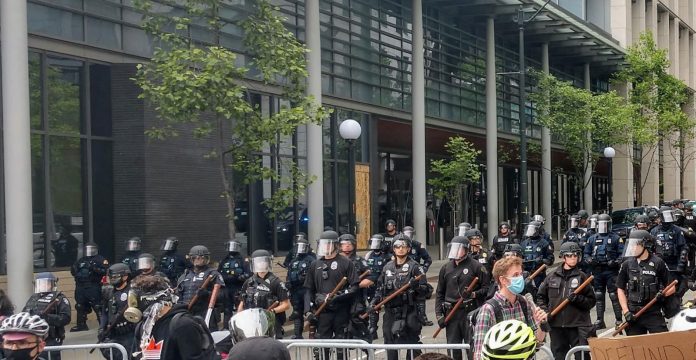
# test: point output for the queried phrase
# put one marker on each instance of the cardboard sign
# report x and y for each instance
(678, 345)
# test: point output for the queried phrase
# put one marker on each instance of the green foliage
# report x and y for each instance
(573, 113)
(199, 87)
(449, 175)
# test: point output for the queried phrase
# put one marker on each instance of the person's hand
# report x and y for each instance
(320, 299)
(366, 283)
(311, 318)
(573, 297)
(540, 315)
(670, 291)
(629, 316)
(414, 283)
(441, 322)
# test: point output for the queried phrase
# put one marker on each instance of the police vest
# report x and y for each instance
(376, 262)
(396, 276)
(533, 251)
(642, 283)
(666, 243)
(259, 294)
(604, 248)
(233, 269)
(298, 270)
(499, 244)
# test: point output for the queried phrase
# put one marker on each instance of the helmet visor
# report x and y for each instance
(234, 246)
(44, 285)
(463, 228)
(326, 247)
(251, 323)
(539, 218)
(169, 245)
(667, 216)
(400, 244)
(573, 223)
(375, 243)
(301, 248)
(409, 233)
(261, 264)
(90, 250)
(133, 245)
(146, 263)
(593, 223)
(530, 230)
(633, 247)
(513, 253)
(455, 251)
(603, 226)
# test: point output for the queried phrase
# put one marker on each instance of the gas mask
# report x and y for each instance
(139, 303)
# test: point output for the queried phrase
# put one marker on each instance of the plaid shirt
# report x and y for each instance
(486, 319)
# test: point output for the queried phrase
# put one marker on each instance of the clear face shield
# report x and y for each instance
(146, 263)
(593, 223)
(234, 246)
(133, 245)
(667, 216)
(538, 218)
(456, 251)
(326, 247)
(375, 244)
(251, 323)
(199, 260)
(409, 233)
(530, 230)
(463, 228)
(169, 245)
(633, 247)
(261, 264)
(44, 285)
(91, 250)
(301, 248)
(603, 226)
(573, 222)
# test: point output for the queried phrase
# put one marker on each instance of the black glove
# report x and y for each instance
(414, 283)
(446, 308)
(441, 321)
(629, 316)
(573, 297)
(375, 301)
(311, 318)
(659, 296)
(592, 261)
(203, 293)
(52, 319)
(319, 299)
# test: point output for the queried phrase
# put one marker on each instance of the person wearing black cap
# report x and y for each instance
(452, 283)
(234, 269)
(189, 284)
(251, 334)
(390, 227)
(114, 328)
(322, 278)
(297, 268)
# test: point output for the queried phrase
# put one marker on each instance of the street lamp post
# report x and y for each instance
(609, 153)
(350, 131)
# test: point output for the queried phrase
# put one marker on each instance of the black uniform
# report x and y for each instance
(376, 260)
(536, 251)
(88, 272)
(578, 236)
(65, 249)
(420, 255)
(400, 321)
(322, 277)
(114, 327)
(499, 244)
(357, 327)
(603, 257)
(173, 265)
(641, 281)
(189, 285)
(452, 282)
(484, 258)
(130, 259)
(297, 273)
(234, 269)
(572, 326)
(262, 293)
(670, 246)
(57, 317)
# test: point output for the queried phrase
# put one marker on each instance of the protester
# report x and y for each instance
(251, 332)
(23, 336)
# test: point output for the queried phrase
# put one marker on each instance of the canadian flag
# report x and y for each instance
(153, 349)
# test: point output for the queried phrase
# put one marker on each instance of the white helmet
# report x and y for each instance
(25, 322)
(684, 320)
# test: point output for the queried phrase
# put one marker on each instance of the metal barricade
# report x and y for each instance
(584, 350)
(546, 351)
(77, 349)
(326, 350)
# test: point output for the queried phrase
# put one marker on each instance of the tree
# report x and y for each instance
(198, 86)
(658, 98)
(573, 113)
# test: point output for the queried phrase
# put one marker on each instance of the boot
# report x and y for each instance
(373, 324)
(422, 315)
(298, 327)
(81, 324)
(599, 323)
(616, 306)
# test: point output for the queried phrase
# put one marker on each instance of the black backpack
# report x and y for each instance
(498, 311)
(208, 349)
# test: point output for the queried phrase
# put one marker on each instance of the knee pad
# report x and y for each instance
(614, 297)
(599, 295)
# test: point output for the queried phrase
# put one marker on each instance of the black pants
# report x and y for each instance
(231, 302)
(87, 298)
(457, 331)
(401, 327)
(126, 340)
(565, 338)
(332, 325)
(650, 322)
(297, 302)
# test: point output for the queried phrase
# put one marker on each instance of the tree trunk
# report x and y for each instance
(226, 181)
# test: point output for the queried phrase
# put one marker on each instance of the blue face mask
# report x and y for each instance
(516, 284)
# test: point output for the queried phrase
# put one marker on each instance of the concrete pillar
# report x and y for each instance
(674, 46)
(622, 168)
(587, 179)
(662, 30)
(638, 11)
(684, 59)
(315, 190)
(16, 149)
(689, 185)
(670, 168)
(621, 21)
(491, 133)
(651, 17)
(546, 211)
(418, 122)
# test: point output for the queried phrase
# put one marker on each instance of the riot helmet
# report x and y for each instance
(376, 242)
(513, 250)
(638, 240)
(146, 263)
(679, 217)
(463, 228)
(169, 244)
(583, 214)
(666, 215)
(593, 221)
(347, 240)
(458, 248)
(532, 229)
(199, 255)
(475, 238)
(117, 273)
(539, 218)
(251, 323)
(653, 216)
(133, 244)
(573, 222)
(261, 261)
(327, 244)
(408, 231)
(91, 249)
(641, 222)
(45, 282)
(569, 248)
(401, 241)
(234, 246)
(301, 244)
(390, 225)
(603, 224)
(504, 229)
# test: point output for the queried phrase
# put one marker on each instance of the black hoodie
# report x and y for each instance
(186, 341)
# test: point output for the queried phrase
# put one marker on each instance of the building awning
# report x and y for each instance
(572, 40)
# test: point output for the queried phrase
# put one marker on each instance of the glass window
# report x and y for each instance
(38, 204)
(75, 4)
(102, 196)
(103, 33)
(64, 96)
(576, 7)
(35, 107)
(105, 8)
(136, 41)
(100, 99)
(50, 21)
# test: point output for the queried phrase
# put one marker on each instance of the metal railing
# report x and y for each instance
(84, 348)
(583, 350)
(326, 350)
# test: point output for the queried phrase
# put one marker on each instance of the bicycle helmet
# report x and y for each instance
(24, 322)
(509, 339)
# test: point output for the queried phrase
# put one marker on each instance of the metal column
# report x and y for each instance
(418, 120)
(491, 133)
(315, 191)
(524, 193)
(587, 179)
(17, 149)
(546, 157)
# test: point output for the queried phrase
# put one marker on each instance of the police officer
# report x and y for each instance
(264, 290)
(146, 266)
(478, 252)
(130, 258)
(114, 328)
(603, 256)
(234, 269)
(641, 222)
(453, 280)
(537, 251)
(670, 246)
(390, 227)
(376, 259)
(654, 217)
(584, 220)
(592, 225)
(690, 221)
(299, 237)
(463, 228)
(642, 277)
(357, 327)
(88, 272)
(51, 306)
(297, 273)
(419, 253)
(574, 233)
(542, 231)
(572, 326)
(323, 277)
(400, 321)
(501, 240)
(171, 263)
(190, 283)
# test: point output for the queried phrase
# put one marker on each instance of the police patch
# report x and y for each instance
(124, 296)
(651, 263)
(235, 265)
(574, 283)
(334, 265)
(388, 273)
(404, 268)
(465, 271)
(106, 262)
(304, 265)
(538, 249)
